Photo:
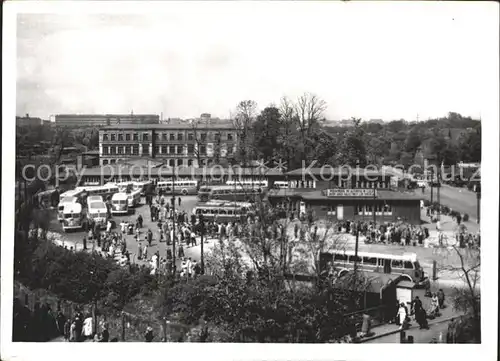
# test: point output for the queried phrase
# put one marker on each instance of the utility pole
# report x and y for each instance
(478, 196)
(432, 188)
(374, 202)
(173, 222)
(356, 250)
(202, 229)
(439, 194)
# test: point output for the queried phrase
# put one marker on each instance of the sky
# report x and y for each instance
(367, 60)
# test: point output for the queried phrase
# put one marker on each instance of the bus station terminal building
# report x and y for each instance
(332, 193)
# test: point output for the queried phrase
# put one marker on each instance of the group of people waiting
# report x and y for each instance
(419, 312)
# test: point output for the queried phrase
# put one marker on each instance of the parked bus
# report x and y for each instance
(98, 212)
(405, 265)
(134, 198)
(119, 203)
(103, 191)
(281, 185)
(184, 187)
(142, 186)
(224, 211)
(72, 216)
(236, 193)
(94, 199)
(62, 202)
(248, 182)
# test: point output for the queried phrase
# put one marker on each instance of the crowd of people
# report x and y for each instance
(421, 315)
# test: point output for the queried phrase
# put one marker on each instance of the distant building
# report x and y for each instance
(91, 120)
(27, 120)
(376, 121)
(181, 144)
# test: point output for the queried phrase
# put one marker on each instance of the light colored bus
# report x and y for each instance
(262, 183)
(281, 185)
(134, 198)
(236, 193)
(184, 187)
(103, 191)
(119, 203)
(142, 186)
(204, 192)
(62, 202)
(98, 212)
(405, 265)
(94, 199)
(73, 216)
(224, 211)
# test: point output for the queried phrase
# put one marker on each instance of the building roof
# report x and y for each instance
(139, 169)
(319, 195)
(167, 126)
(331, 171)
(105, 116)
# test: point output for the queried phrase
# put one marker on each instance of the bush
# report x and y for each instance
(78, 276)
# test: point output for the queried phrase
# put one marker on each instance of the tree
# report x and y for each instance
(245, 115)
(266, 133)
(309, 111)
(353, 151)
(412, 142)
(467, 299)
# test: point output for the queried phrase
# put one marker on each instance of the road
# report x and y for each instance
(419, 336)
(459, 199)
(187, 204)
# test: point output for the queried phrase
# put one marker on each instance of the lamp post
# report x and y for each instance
(478, 197)
(202, 230)
(173, 222)
(432, 188)
(439, 195)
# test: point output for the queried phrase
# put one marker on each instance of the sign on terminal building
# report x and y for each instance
(350, 192)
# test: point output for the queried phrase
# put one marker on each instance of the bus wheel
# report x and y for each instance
(342, 273)
(184, 192)
(407, 277)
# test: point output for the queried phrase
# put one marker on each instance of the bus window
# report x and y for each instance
(353, 259)
(198, 211)
(204, 211)
(408, 265)
(370, 261)
(230, 212)
(381, 262)
(222, 211)
(213, 211)
(340, 257)
(397, 264)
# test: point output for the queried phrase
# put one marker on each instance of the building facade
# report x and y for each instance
(28, 121)
(172, 144)
(82, 120)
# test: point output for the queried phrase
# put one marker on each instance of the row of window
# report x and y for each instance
(372, 261)
(378, 208)
(171, 149)
(173, 162)
(162, 136)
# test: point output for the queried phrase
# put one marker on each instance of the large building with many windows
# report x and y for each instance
(91, 120)
(187, 145)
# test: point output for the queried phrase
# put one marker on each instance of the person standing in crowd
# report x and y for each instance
(72, 332)
(139, 251)
(440, 297)
(148, 336)
(67, 330)
(189, 267)
(145, 252)
(181, 251)
(179, 198)
(193, 238)
(149, 237)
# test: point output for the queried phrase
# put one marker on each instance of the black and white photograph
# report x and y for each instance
(250, 174)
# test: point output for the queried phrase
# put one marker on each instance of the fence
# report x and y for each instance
(377, 315)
